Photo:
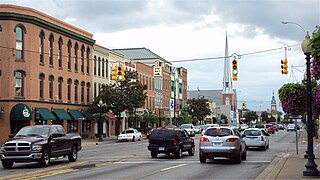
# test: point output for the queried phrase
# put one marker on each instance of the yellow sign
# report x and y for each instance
(157, 71)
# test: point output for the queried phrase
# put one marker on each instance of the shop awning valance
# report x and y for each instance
(21, 112)
(87, 115)
(61, 114)
(75, 115)
(45, 114)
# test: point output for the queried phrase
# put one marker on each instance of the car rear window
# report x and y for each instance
(218, 132)
(259, 126)
(252, 133)
(162, 133)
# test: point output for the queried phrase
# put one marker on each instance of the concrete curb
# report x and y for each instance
(274, 168)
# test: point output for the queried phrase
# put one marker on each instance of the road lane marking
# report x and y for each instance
(173, 167)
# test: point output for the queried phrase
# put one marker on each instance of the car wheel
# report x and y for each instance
(191, 151)
(154, 154)
(202, 159)
(244, 155)
(7, 165)
(45, 159)
(178, 154)
(237, 158)
(73, 155)
(268, 146)
(263, 148)
(139, 138)
(133, 138)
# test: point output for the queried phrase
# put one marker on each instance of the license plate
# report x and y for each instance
(217, 143)
(161, 148)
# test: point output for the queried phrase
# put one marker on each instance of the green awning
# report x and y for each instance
(123, 114)
(75, 115)
(45, 114)
(61, 114)
(87, 115)
(21, 112)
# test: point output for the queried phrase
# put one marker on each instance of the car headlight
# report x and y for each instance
(36, 147)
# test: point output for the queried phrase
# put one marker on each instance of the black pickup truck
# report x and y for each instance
(39, 143)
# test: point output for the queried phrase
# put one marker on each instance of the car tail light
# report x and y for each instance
(262, 139)
(174, 142)
(231, 140)
(204, 139)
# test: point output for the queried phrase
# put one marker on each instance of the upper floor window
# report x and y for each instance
(95, 90)
(82, 59)
(51, 78)
(41, 85)
(82, 91)
(41, 46)
(95, 66)
(88, 60)
(69, 89)
(51, 50)
(60, 43)
(60, 81)
(102, 67)
(69, 55)
(76, 84)
(99, 64)
(88, 92)
(19, 75)
(107, 66)
(19, 42)
(76, 57)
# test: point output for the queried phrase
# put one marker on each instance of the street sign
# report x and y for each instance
(171, 104)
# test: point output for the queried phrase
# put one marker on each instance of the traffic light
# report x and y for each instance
(284, 66)
(235, 69)
(114, 73)
(244, 106)
(121, 73)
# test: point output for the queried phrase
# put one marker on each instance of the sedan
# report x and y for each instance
(255, 137)
(130, 135)
(222, 142)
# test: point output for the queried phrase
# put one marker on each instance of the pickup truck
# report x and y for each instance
(39, 143)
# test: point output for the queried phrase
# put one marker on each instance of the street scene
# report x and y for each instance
(159, 89)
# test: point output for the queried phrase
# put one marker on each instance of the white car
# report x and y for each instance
(189, 128)
(255, 137)
(130, 135)
(291, 127)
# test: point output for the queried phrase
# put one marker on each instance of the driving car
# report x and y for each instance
(169, 140)
(222, 142)
(197, 129)
(243, 127)
(270, 128)
(129, 135)
(189, 128)
(255, 137)
(291, 127)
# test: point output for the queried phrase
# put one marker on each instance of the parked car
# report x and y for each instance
(129, 135)
(280, 127)
(170, 140)
(270, 128)
(235, 125)
(197, 129)
(222, 142)
(189, 128)
(39, 143)
(255, 137)
(291, 127)
(243, 127)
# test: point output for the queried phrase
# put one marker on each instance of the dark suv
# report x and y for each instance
(169, 140)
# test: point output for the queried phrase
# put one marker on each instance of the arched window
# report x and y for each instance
(41, 46)
(88, 60)
(227, 101)
(76, 57)
(99, 65)
(69, 55)
(51, 39)
(41, 85)
(19, 42)
(95, 90)
(60, 81)
(95, 66)
(69, 89)
(76, 84)
(82, 58)
(60, 43)
(51, 79)
(88, 92)
(19, 75)
(102, 67)
(82, 91)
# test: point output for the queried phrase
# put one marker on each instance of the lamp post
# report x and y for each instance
(311, 166)
(100, 129)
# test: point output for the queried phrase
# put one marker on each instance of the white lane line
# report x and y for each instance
(165, 169)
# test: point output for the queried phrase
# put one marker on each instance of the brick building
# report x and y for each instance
(45, 72)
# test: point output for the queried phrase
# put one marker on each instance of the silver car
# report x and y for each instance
(222, 142)
(255, 137)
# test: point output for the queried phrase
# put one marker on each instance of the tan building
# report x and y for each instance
(45, 72)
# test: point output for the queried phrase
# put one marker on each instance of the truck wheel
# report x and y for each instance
(73, 155)
(45, 159)
(154, 154)
(7, 165)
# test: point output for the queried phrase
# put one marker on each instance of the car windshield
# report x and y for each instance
(34, 131)
(252, 133)
(185, 126)
(218, 132)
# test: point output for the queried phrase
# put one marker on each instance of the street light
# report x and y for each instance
(287, 22)
(100, 129)
(311, 166)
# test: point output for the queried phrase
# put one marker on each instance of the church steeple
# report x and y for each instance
(273, 103)
(227, 82)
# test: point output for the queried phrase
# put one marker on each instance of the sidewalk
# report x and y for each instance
(291, 165)
(94, 142)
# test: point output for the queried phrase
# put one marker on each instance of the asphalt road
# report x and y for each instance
(132, 160)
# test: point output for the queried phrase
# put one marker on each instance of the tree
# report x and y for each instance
(198, 108)
(224, 118)
(250, 116)
(184, 117)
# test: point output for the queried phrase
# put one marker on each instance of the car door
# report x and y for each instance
(186, 139)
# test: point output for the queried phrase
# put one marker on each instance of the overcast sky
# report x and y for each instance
(190, 29)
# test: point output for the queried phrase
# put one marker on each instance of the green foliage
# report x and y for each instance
(225, 118)
(198, 108)
(293, 98)
(184, 117)
(250, 116)
(315, 44)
